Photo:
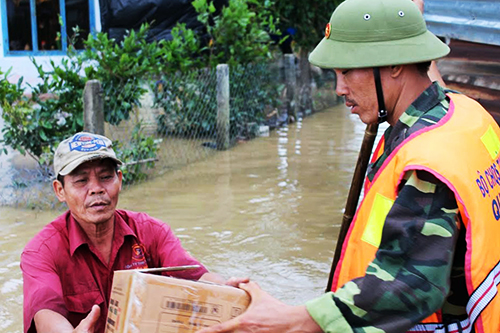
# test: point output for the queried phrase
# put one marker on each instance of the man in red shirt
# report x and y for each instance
(68, 267)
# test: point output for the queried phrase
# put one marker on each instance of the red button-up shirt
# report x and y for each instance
(63, 271)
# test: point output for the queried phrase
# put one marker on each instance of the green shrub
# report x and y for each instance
(240, 34)
(138, 155)
(37, 124)
(121, 68)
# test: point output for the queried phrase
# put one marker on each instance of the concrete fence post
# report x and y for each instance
(304, 86)
(93, 107)
(291, 87)
(223, 107)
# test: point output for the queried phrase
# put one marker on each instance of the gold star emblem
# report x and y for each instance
(328, 30)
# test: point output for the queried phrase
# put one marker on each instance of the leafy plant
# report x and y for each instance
(16, 107)
(38, 124)
(182, 53)
(10, 92)
(138, 155)
(121, 68)
(240, 34)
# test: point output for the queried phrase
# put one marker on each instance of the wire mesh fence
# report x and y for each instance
(177, 121)
(323, 89)
(174, 126)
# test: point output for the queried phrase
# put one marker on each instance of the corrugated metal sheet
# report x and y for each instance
(474, 69)
(471, 20)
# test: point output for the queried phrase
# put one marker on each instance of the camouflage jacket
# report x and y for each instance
(411, 276)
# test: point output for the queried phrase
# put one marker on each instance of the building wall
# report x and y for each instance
(22, 65)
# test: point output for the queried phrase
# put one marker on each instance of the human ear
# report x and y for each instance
(396, 70)
(59, 190)
(120, 178)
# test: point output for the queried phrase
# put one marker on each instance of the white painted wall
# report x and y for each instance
(23, 67)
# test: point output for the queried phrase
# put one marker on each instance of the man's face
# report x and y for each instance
(358, 88)
(91, 191)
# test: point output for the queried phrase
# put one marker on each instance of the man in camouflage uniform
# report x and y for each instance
(414, 272)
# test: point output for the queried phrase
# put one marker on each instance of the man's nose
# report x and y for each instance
(341, 88)
(95, 186)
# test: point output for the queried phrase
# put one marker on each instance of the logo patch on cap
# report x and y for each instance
(328, 30)
(86, 143)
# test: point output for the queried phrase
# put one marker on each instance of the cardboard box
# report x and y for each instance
(147, 303)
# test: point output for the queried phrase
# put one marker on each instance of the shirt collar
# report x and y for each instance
(393, 136)
(428, 100)
(77, 236)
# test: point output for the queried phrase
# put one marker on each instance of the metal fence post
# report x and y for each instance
(93, 108)
(291, 87)
(222, 107)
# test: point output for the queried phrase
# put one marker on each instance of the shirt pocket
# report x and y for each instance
(83, 302)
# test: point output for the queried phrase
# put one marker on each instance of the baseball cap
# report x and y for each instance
(80, 148)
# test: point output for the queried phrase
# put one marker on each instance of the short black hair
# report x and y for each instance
(423, 67)
(60, 178)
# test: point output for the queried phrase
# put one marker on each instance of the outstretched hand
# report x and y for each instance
(266, 314)
(87, 325)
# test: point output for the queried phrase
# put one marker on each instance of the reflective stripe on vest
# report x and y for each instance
(477, 303)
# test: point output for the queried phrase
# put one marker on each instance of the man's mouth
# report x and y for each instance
(98, 204)
(350, 104)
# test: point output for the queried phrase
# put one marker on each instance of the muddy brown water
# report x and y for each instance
(269, 209)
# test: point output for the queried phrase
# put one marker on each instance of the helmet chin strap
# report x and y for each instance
(382, 111)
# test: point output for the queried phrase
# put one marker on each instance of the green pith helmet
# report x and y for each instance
(375, 33)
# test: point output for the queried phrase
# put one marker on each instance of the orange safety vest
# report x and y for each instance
(461, 150)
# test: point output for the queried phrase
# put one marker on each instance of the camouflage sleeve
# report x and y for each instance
(409, 278)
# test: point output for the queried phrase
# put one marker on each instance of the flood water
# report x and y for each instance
(269, 209)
